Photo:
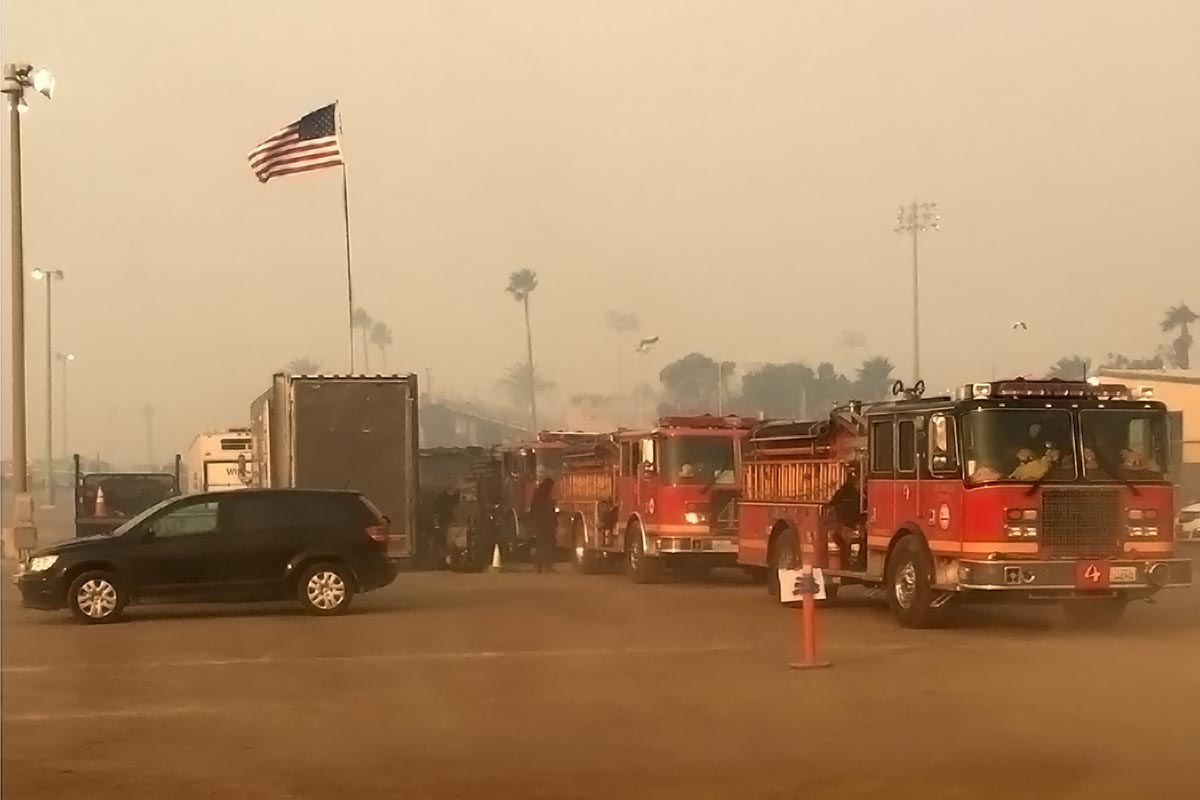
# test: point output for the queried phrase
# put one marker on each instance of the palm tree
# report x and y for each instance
(874, 378)
(381, 337)
(302, 366)
(520, 285)
(1180, 317)
(1071, 368)
(516, 382)
(362, 321)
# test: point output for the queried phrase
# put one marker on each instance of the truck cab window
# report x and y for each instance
(882, 446)
(942, 444)
(906, 460)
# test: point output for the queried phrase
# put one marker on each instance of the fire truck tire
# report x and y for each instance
(910, 583)
(1094, 614)
(641, 569)
(586, 561)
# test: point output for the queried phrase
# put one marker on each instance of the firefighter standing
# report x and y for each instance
(843, 515)
(544, 518)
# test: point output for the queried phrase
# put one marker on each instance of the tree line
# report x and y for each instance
(1175, 353)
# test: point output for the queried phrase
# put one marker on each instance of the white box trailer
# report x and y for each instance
(343, 432)
(218, 461)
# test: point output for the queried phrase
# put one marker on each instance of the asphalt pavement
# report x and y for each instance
(520, 685)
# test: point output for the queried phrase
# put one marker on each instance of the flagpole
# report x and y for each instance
(349, 277)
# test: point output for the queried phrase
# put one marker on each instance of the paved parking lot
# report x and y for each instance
(561, 686)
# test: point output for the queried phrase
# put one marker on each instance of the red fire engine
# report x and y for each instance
(1014, 490)
(655, 498)
(522, 467)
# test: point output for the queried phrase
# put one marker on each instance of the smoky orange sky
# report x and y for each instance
(729, 171)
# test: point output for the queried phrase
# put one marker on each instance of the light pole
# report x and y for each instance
(644, 347)
(63, 360)
(18, 77)
(49, 276)
(916, 218)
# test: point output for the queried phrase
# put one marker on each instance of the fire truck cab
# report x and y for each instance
(653, 498)
(522, 467)
(1016, 490)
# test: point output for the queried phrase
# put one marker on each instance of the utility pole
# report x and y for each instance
(915, 219)
(64, 359)
(643, 348)
(49, 276)
(18, 77)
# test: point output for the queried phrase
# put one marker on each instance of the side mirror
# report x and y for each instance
(145, 534)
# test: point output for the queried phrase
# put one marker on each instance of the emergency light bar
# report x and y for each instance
(1022, 389)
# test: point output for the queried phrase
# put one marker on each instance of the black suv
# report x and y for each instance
(320, 547)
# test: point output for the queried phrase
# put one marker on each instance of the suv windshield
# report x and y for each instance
(1124, 445)
(698, 459)
(1026, 445)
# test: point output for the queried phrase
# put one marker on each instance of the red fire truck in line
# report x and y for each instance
(654, 498)
(1015, 490)
(522, 467)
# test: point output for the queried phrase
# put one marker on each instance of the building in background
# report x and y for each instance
(445, 424)
(1180, 390)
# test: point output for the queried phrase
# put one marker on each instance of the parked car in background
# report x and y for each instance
(1187, 524)
(318, 547)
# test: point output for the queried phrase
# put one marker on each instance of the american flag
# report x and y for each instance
(309, 143)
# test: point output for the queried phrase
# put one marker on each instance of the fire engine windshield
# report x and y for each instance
(698, 459)
(1124, 445)
(1002, 444)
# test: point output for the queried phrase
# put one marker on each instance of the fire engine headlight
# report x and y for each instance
(1143, 531)
(1020, 531)
(691, 518)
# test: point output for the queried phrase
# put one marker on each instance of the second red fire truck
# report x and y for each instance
(1015, 490)
(656, 498)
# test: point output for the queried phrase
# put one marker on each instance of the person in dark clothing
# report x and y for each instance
(544, 518)
(843, 515)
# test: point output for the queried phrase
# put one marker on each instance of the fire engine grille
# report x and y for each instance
(1081, 523)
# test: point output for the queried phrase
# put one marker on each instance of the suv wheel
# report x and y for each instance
(325, 589)
(96, 597)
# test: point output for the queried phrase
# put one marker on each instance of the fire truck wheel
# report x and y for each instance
(641, 569)
(1094, 614)
(585, 560)
(910, 583)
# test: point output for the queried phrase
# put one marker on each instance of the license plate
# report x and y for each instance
(1122, 574)
(723, 546)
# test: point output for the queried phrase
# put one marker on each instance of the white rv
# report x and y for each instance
(217, 462)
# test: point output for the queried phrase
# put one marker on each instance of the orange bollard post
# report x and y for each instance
(806, 586)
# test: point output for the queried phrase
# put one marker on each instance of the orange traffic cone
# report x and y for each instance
(101, 506)
(497, 566)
